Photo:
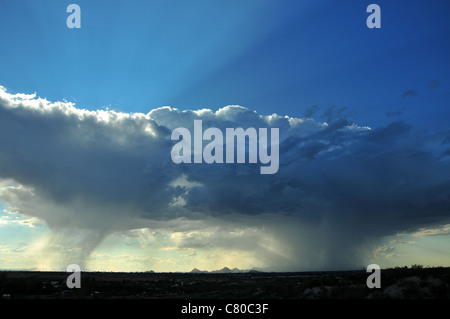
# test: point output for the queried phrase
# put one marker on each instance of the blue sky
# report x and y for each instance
(301, 59)
(270, 56)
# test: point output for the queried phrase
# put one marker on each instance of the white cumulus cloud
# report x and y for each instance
(92, 173)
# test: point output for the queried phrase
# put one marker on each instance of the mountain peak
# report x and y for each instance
(197, 271)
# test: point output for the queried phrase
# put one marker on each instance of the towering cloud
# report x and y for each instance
(339, 186)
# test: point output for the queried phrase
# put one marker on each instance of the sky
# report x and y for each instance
(86, 116)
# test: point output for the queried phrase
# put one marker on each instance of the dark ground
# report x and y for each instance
(404, 283)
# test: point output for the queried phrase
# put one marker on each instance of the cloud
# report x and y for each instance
(395, 113)
(29, 222)
(340, 185)
(433, 231)
(409, 93)
(309, 112)
(433, 84)
(383, 252)
(328, 114)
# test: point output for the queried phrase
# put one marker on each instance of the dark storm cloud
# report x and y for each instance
(309, 112)
(339, 185)
(327, 114)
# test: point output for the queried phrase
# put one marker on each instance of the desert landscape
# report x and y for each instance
(415, 282)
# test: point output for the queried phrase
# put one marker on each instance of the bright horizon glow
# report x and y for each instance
(121, 253)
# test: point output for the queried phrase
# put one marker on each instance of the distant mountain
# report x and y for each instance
(253, 271)
(224, 270)
(197, 271)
